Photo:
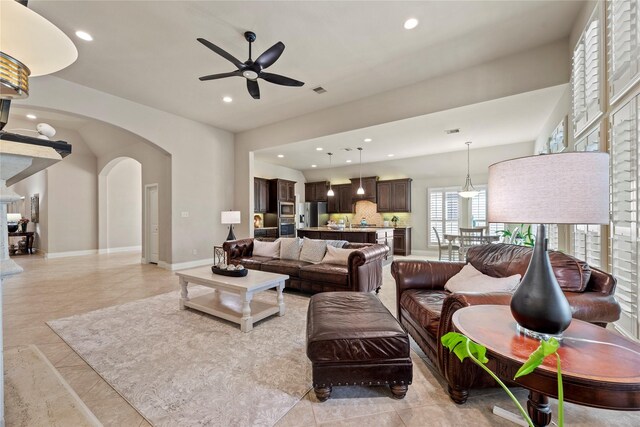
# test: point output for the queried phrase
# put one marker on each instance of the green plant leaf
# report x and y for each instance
(535, 359)
(456, 343)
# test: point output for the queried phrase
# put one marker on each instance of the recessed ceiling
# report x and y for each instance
(146, 51)
(513, 119)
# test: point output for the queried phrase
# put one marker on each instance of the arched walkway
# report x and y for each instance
(120, 206)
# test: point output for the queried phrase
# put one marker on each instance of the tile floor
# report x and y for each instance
(51, 289)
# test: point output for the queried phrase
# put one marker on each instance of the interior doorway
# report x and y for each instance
(152, 247)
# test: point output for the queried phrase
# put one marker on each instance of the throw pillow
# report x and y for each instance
(290, 248)
(313, 250)
(337, 243)
(266, 249)
(337, 256)
(471, 280)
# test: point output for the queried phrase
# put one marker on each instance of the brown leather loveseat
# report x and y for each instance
(425, 308)
(363, 273)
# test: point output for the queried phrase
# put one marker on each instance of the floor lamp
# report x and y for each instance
(565, 188)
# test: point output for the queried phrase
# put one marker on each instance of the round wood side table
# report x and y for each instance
(599, 367)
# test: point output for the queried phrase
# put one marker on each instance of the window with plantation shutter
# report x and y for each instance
(624, 212)
(444, 206)
(585, 80)
(479, 211)
(623, 40)
(587, 239)
(552, 237)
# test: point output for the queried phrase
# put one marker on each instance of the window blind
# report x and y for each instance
(624, 212)
(587, 239)
(443, 212)
(479, 211)
(585, 71)
(623, 40)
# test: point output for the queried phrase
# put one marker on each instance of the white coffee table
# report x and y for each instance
(231, 298)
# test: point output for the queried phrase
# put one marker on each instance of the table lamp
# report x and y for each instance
(229, 218)
(564, 188)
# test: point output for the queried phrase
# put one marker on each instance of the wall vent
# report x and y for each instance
(450, 131)
(319, 90)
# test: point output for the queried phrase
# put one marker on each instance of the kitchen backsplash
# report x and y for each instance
(369, 211)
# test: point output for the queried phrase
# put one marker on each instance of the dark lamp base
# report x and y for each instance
(231, 236)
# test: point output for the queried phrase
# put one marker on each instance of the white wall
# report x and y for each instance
(537, 68)
(202, 159)
(124, 205)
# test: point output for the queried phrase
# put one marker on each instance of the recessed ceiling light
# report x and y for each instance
(281, 155)
(227, 99)
(84, 35)
(319, 149)
(390, 155)
(348, 161)
(368, 140)
(410, 23)
(314, 166)
(31, 116)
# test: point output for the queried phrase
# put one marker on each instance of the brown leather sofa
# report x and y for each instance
(425, 308)
(363, 272)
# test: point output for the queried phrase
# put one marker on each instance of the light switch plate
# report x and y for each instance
(185, 214)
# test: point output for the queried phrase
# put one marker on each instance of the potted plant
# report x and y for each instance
(395, 220)
(463, 347)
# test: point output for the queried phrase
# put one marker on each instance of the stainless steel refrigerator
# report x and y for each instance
(315, 214)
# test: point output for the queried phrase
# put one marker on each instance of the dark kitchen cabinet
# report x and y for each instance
(402, 241)
(341, 202)
(260, 195)
(316, 191)
(281, 190)
(369, 186)
(394, 195)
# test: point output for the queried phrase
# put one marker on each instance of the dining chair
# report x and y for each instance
(470, 237)
(445, 247)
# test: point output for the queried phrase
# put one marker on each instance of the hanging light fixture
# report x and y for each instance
(468, 191)
(330, 193)
(360, 189)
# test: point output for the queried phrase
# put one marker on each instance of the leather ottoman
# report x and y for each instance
(352, 339)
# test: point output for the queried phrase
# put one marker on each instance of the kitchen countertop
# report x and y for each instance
(348, 230)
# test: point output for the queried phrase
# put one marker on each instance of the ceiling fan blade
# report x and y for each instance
(254, 90)
(280, 80)
(223, 53)
(221, 75)
(270, 55)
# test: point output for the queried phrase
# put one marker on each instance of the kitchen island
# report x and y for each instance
(383, 236)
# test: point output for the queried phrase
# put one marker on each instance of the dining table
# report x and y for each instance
(451, 238)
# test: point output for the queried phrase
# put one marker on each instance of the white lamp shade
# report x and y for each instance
(33, 40)
(565, 188)
(230, 217)
(14, 217)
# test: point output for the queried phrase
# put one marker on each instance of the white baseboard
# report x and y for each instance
(120, 249)
(51, 255)
(183, 265)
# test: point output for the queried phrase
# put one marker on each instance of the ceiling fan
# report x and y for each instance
(252, 70)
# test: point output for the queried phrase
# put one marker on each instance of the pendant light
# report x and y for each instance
(330, 193)
(360, 189)
(468, 191)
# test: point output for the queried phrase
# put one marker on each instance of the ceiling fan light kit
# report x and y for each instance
(252, 70)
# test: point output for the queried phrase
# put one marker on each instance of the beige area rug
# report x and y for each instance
(184, 368)
(37, 395)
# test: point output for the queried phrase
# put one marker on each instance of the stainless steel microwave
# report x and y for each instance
(286, 210)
